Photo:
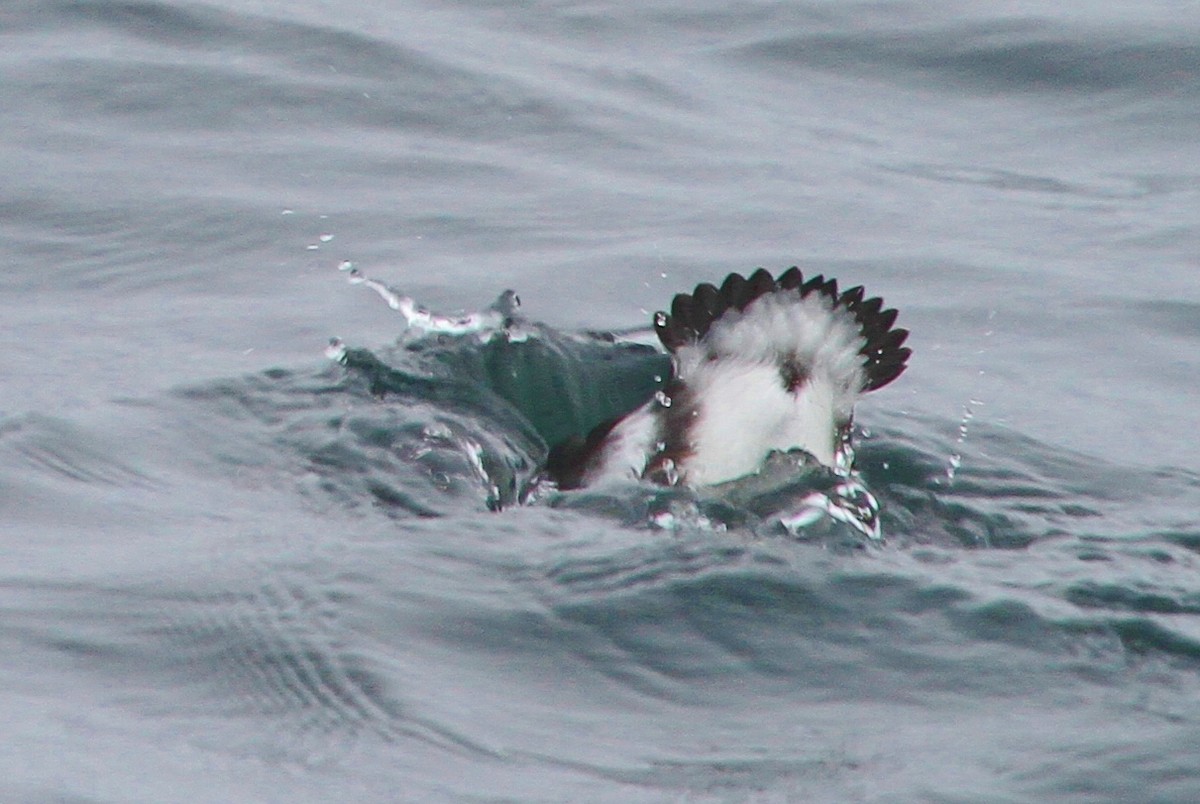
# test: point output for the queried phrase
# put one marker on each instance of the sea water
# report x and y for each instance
(232, 569)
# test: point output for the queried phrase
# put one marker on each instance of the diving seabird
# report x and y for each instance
(759, 364)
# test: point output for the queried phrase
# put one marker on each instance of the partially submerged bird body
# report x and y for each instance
(760, 364)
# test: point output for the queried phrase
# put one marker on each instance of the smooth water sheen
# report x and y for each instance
(232, 569)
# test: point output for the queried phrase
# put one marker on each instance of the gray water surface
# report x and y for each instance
(230, 572)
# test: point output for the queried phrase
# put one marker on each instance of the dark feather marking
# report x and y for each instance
(760, 284)
(791, 278)
(793, 374)
(681, 314)
(852, 296)
(869, 309)
(733, 292)
(707, 308)
(745, 294)
(669, 331)
(570, 461)
(880, 324)
(893, 340)
(674, 434)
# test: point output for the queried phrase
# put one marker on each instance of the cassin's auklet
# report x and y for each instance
(758, 364)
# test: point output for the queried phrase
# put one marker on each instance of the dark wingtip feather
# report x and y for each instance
(734, 293)
(871, 307)
(791, 279)
(852, 296)
(706, 306)
(671, 334)
(884, 356)
(681, 314)
(760, 284)
(811, 284)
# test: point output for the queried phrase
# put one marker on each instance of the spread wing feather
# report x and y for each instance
(692, 315)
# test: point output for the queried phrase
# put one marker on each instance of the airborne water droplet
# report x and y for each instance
(336, 350)
(660, 319)
(663, 399)
(952, 466)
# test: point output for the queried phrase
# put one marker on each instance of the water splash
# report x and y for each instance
(683, 515)
(336, 350)
(498, 318)
(474, 453)
(955, 461)
(849, 501)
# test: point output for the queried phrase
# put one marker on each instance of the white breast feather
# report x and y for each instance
(742, 408)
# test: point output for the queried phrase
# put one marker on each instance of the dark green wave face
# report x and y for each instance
(563, 385)
(524, 393)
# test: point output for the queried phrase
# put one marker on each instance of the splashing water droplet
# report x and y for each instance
(663, 520)
(499, 318)
(662, 399)
(955, 460)
(850, 503)
(336, 350)
(507, 303)
(808, 514)
(325, 238)
(660, 319)
(952, 466)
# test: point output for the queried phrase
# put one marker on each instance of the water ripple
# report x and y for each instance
(1006, 57)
